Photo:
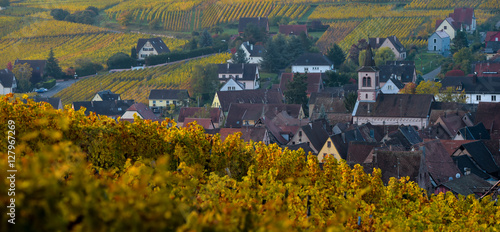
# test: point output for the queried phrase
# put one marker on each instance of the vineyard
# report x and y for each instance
(70, 5)
(335, 33)
(44, 28)
(137, 84)
(89, 173)
(443, 4)
(381, 27)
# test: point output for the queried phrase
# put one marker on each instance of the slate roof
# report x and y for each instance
(314, 81)
(292, 29)
(108, 108)
(247, 71)
(405, 136)
(393, 39)
(442, 34)
(405, 72)
(342, 140)
(254, 50)
(466, 185)
(6, 78)
(474, 132)
(189, 112)
(238, 113)
(107, 95)
(312, 59)
(482, 157)
(259, 21)
(452, 145)
(453, 123)
(397, 83)
(143, 110)
(397, 105)
(255, 134)
(166, 94)
(254, 96)
(492, 47)
(157, 43)
(358, 151)
(439, 163)
(465, 161)
(316, 133)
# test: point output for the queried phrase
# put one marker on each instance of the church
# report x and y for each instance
(387, 109)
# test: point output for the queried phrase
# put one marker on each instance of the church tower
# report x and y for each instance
(368, 78)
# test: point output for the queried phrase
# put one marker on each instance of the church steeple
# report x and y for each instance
(369, 59)
(368, 78)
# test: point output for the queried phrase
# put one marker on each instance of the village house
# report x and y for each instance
(260, 22)
(106, 95)
(392, 86)
(492, 36)
(314, 82)
(314, 135)
(330, 106)
(113, 109)
(476, 132)
(150, 47)
(486, 69)
(245, 76)
(8, 82)
(247, 114)
(487, 114)
(312, 63)
(492, 49)
(248, 134)
(253, 53)
(403, 71)
(391, 42)
(55, 102)
(159, 99)
(140, 110)
(439, 42)
(475, 157)
(469, 184)
(462, 19)
(38, 67)
(290, 30)
(213, 115)
(223, 99)
(476, 89)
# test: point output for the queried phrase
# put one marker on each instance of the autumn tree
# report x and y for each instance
(409, 88)
(451, 95)
(23, 73)
(382, 55)
(204, 83)
(428, 87)
(124, 18)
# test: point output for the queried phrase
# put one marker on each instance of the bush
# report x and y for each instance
(48, 84)
(120, 60)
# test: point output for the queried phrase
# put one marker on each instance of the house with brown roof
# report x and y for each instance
(245, 75)
(329, 106)
(314, 82)
(55, 102)
(246, 114)
(465, 185)
(492, 50)
(461, 19)
(476, 132)
(488, 114)
(312, 63)
(391, 42)
(338, 145)
(214, 114)
(140, 110)
(492, 36)
(395, 109)
(451, 124)
(293, 29)
(206, 123)
(150, 47)
(487, 68)
(8, 82)
(223, 99)
(314, 135)
(260, 22)
(255, 134)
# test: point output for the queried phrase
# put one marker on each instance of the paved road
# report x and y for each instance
(59, 86)
(433, 74)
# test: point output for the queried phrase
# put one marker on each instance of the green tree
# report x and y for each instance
(336, 79)
(4, 3)
(154, 24)
(276, 55)
(239, 57)
(206, 39)
(294, 48)
(382, 55)
(296, 90)
(85, 67)
(133, 52)
(336, 55)
(217, 30)
(428, 87)
(350, 101)
(254, 33)
(59, 14)
(52, 68)
(93, 9)
(204, 83)
(451, 95)
(460, 41)
(23, 73)
(462, 59)
(120, 60)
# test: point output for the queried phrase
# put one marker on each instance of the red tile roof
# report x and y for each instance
(488, 114)
(293, 29)
(487, 69)
(206, 123)
(190, 112)
(463, 15)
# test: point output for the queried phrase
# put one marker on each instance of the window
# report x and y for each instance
(459, 87)
(300, 133)
(306, 69)
(161, 100)
(174, 102)
(369, 82)
(154, 102)
(478, 97)
(364, 81)
(168, 102)
(389, 87)
(435, 40)
(494, 98)
(445, 27)
(223, 76)
(144, 55)
(237, 76)
(329, 144)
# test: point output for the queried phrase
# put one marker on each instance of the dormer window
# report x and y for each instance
(445, 27)
(459, 87)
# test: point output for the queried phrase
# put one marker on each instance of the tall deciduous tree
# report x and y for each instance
(23, 73)
(336, 55)
(409, 88)
(451, 95)
(382, 55)
(206, 39)
(428, 87)
(120, 60)
(276, 55)
(296, 90)
(204, 83)
(462, 59)
(52, 68)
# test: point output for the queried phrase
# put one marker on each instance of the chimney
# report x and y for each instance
(227, 66)
(251, 47)
(466, 171)
(378, 40)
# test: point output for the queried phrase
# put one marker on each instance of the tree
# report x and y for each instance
(409, 88)
(450, 95)
(294, 48)
(9, 66)
(382, 55)
(59, 14)
(275, 57)
(93, 9)
(52, 68)
(460, 41)
(306, 42)
(124, 18)
(239, 57)
(217, 30)
(133, 52)
(254, 33)
(350, 101)
(85, 67)
(336, 55)
(154, 24)
(428, 87)
(120, 60)
(204, 82)
(206, 39)
(296, 90)
(356, 49)
(462, 59)
(4, 3)
(336, 79)
(23, 73)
